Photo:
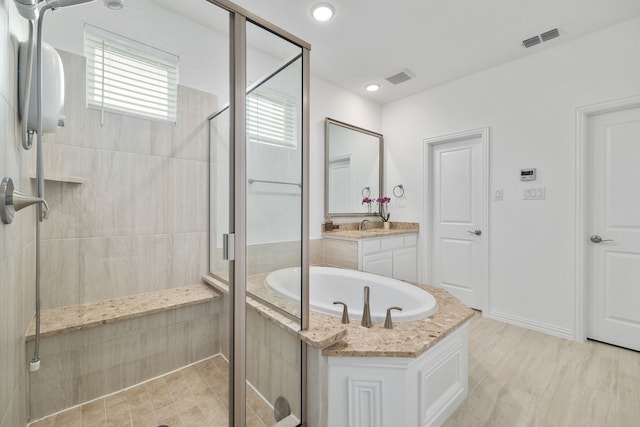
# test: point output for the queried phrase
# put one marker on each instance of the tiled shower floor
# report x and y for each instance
(195, 396)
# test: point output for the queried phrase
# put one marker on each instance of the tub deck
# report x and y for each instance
(406, 339)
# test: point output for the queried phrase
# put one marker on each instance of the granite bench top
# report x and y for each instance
(61, 320)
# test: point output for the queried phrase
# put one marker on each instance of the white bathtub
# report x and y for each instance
(336, 284)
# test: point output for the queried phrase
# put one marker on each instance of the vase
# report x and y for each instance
(387, 225)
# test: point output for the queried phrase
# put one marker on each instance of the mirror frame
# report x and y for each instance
(327, 123)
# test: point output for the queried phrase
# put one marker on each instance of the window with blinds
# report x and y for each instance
(127, 77)
(271, 118)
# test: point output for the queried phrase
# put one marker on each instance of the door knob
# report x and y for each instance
(597, 239)
(476, 232)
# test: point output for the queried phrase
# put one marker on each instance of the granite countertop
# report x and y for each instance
(373, 229)
(406, 339)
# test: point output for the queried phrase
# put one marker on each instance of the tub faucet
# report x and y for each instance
(362, 224)
(366, 313)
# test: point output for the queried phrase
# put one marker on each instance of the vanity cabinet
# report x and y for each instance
(394, 256)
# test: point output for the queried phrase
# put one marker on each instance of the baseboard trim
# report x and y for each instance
(531, 324)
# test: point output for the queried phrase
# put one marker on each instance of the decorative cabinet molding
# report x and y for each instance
(398, 391)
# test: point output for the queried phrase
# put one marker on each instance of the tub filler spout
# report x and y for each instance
(366, 312)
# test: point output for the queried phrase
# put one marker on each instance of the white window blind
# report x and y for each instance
(271, 118)
(127, 77)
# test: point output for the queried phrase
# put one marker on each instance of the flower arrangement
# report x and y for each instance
(368, 202)
(384, 213)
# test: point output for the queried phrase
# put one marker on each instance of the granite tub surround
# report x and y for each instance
(74, 318)
(324, 329)
(372, 229)
(406, 339)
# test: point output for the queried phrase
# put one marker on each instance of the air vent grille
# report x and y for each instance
(546, 36)
(400, 77)
(531, 41)
(551, 34)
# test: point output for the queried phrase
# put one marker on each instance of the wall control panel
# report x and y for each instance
(528, 174)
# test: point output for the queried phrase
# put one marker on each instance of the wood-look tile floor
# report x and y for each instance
(519, 377)
(195, 396)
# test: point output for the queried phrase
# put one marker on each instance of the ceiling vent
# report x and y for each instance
(400, 77)
(531, 41)
(546, 36)
(551, 34)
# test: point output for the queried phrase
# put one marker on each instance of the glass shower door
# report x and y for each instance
(256, 197)
(274, 218)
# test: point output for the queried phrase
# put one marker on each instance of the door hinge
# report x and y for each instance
(228, 246)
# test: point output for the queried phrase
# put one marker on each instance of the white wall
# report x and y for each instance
(530, 106)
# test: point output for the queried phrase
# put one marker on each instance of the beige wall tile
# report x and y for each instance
(60, 273)
(340, 253)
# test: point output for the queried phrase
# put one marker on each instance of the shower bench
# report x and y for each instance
(92, 350)
(55, 321)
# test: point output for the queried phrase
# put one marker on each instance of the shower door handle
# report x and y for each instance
(228, 246)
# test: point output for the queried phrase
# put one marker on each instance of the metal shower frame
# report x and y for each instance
(238, 18)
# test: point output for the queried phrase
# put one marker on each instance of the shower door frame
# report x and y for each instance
(238, 18)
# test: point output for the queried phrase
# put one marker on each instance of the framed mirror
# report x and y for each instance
(352, 170)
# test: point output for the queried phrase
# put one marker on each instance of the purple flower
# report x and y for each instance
(384, 213)
(367, 200)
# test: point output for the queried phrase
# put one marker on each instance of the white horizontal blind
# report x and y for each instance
(271, 118)
(131, 78)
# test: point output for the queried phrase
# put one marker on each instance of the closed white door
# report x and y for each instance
(458, 200)
(340, 185)
(613, 222)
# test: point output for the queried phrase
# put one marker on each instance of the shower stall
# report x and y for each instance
(142, 207)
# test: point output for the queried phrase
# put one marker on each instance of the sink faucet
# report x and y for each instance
(366, 313)
(362, 224)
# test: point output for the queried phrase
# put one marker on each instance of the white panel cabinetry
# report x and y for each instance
(396, 391)
(395, 256)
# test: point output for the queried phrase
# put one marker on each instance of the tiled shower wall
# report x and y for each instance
(17, 254)
(137, 220)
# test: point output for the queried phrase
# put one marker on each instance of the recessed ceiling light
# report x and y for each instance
(372, 87)
(322, 12)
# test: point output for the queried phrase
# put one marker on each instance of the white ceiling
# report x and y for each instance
(438, 40)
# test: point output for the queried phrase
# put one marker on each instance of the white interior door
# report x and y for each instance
(613, 201)
(459, 242)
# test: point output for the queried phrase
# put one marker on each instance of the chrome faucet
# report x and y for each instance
(362, 224)
(366, 313)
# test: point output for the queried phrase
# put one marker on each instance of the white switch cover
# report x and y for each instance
(534, 193)
(497, 194)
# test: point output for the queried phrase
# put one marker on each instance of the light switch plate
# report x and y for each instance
(534, 193)
(497, 194)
